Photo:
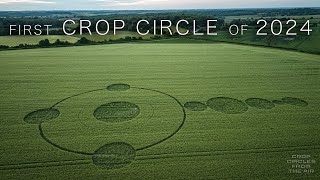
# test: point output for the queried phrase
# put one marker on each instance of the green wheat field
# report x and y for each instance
(158, 111)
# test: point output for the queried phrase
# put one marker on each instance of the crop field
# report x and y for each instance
(32, 40)
(158, 111)
(300, 43)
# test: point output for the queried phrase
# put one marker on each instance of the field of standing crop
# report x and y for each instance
(33, 40)
(171, 111)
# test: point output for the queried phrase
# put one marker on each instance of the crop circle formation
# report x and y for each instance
(227, 105)
(295, 101)
(114, 155)
(42, 115)
(195, 106)
(260, 103)
(117, 112)
(118, 87)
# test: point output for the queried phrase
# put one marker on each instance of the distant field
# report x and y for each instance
(301, 43)
(312, 18)
(16, 40)
(209, 111)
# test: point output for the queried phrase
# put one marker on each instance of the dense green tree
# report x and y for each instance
(44, 43)
(83, 40)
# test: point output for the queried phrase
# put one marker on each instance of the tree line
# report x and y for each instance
(45, 43)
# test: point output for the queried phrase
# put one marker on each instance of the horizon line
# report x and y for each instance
(292, 7)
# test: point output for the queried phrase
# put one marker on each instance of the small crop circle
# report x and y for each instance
(118, 87)
(227, 105)
(260, 103)
(113, 156)
(42, 115)
(295, 101)
(195, 106)
(117, 112)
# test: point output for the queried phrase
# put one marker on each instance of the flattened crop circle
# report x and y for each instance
(195, 106)
(42, 115)
(117, 112)
(118, 87)
(115, 155)
(260, 103)
(295, 101)
(227, 105)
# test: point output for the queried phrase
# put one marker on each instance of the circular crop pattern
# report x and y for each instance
(118, 87)
(114, 155)
(119, 109)
(90, 106)
(195, 106)
(41, 116)
(117, 112)
(260, 103)
(278, 102)
(295, 101)
(227, 105)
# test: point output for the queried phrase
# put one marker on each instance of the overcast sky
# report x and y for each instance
(149, 4)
